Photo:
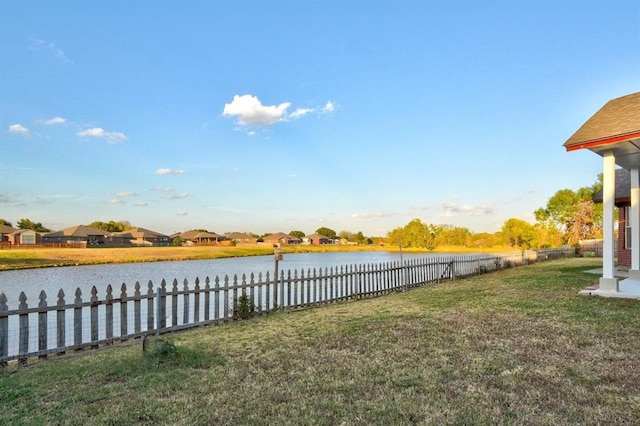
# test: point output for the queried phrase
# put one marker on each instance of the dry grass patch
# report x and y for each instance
(515, 347)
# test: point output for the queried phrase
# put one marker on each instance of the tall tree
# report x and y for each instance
(415, 234)
(297, 234)
(5, 222)
(111, 226)
(29, 224)
(574, 213)
(327, 232)
(518, 233)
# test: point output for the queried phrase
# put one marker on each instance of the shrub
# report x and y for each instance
(243, 307)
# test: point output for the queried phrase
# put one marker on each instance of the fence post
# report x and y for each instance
(61, 322)
(161, 316)
(108, 314)
(4, 329)
(124, 329)
(216, 299)
(42, 324)
(174, 303)
(23, 345)
(207, 299)
(185, 302)
(137, 317)
(225, 297)
(196, 301)
(150, 296)
(281, 291)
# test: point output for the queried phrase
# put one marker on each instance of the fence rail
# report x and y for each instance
(76, 324)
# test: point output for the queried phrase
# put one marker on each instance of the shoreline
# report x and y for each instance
(33, 258)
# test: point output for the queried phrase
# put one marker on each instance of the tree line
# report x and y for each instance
(568, 217)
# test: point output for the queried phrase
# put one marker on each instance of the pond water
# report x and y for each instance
(69, 278)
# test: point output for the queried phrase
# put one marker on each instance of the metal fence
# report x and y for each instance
(77, 323)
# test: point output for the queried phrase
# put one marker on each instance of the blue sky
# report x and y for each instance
(287, 115)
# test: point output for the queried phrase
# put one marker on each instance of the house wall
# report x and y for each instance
(624, 254)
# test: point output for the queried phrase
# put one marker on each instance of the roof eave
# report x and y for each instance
(601, 142)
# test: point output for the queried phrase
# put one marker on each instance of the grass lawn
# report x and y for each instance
(517, 346)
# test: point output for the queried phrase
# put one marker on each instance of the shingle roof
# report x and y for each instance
(623, 187)
(140, 233)
(5, 229)
(618, 120)
(77, 231)
(194, 234)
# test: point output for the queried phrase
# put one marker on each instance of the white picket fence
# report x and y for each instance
(82, 323)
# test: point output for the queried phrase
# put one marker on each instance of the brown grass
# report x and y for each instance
(514, 347)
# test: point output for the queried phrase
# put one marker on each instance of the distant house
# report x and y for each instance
(77, 235)
(241, 238)
(26, 237)
(139, 237)
(5, 231)
(199, 237)
(316, 239)
(281, 238)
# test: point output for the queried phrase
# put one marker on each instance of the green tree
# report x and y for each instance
(573, 213)
(327, 232)
(297, 234)
(455, 236)
(5, 222)
(485, 240)
(518, 233)
(111, 226)
(546, 236)
(28, 224)
(415, 234)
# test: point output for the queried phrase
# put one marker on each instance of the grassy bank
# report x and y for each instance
(52, 257)
(514, 347)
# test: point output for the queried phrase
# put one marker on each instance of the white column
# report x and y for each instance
(608, 282)
(634, 221)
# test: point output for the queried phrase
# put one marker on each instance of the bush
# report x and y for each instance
(243, 307)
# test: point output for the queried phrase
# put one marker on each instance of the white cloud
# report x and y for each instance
(365, 216)
(51, 49)
(450, 209)
(115, 201)
(126, 194)
(249, 111)
(300, 112)
(97, 132)
(176, 196)
(19, 129)
(169, 172)
(163, 189)
(182, 214)
(141, 204)
(329, 107)
(53, 121)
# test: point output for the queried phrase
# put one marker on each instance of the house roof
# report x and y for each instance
(615, 126)
(24, 231)
(140, 233)
(195, 235)
(623, 188)
(77, 231)
(5, 229)
(281, 235)
(317, 236)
